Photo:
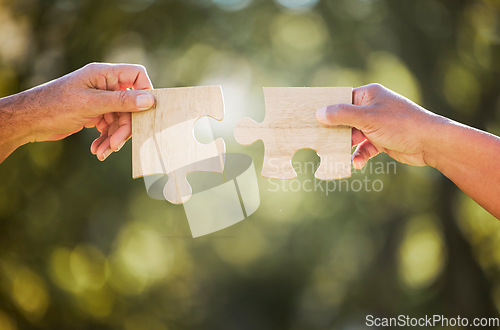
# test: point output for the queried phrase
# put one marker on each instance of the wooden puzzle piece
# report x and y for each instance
(290, 125)
(163, 138)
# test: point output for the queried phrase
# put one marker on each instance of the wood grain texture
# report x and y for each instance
(290, 125)
(163, 140)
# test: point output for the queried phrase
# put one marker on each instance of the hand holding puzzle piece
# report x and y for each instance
(163, 138)
(290, 125)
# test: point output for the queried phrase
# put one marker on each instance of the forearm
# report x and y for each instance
(14, 128)
(471, 159)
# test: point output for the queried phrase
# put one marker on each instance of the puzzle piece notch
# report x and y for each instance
(178, 190)
(164, 142)
(290, 125)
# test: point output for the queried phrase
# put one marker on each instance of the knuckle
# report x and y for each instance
(368, 91)
(338, 110)
(342, 107)
(375, 88)
(140, 67)
(95, 66)
(92, 65)
(122, 99)
(135, 67)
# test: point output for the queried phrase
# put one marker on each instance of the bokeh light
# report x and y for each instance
(6, 323)
(421, 255)
(232, 5)
(297, 4)
(298, 38)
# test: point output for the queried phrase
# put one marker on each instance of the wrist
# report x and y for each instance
(437, 139)
(15, 127)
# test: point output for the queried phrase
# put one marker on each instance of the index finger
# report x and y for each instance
(132, 76)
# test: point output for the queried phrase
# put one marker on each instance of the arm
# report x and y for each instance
(13, 129)
(471, 159)
(95, 95)
(384, 121)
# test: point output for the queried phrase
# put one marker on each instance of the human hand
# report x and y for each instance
(100, 95)
(384, 121)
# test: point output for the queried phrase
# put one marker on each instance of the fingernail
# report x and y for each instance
(106, 154)
(144, 101)
(321, 116)
(120, 146)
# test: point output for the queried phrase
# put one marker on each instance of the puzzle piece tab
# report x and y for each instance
(163, 138)
(290, 125)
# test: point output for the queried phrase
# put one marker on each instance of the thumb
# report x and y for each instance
(342, 114)
(122, 101)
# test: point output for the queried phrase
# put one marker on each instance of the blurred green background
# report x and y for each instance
(82, 246)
